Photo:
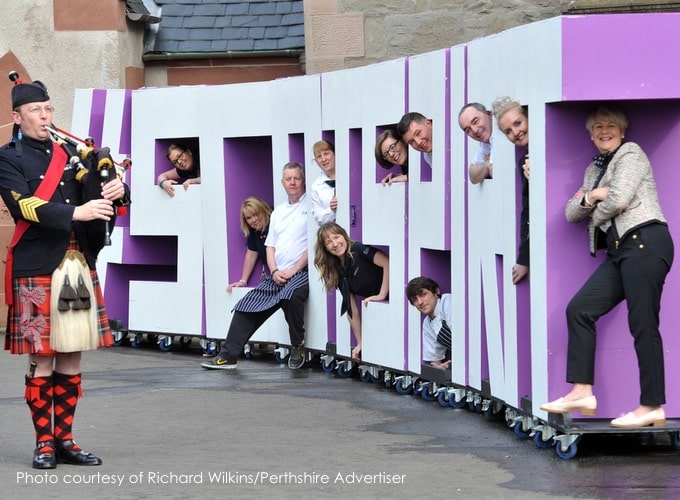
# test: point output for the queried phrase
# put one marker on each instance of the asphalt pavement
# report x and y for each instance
(166, 428)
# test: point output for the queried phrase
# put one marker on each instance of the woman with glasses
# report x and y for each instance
(390, 151)
(185, 171)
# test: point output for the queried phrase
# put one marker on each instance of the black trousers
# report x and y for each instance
(635, 271)
(245, 324)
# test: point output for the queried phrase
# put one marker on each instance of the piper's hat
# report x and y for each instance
(23, 93)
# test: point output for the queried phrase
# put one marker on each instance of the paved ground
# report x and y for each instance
(166, 428)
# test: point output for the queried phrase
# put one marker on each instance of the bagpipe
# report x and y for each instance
(86, 157)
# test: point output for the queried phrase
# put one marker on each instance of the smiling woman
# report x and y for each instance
(353, 268)
(513, 121)
(255, 214)
(619, 197)
(391, 151)
(186, 169)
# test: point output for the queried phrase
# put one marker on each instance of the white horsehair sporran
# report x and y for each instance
(73, 306)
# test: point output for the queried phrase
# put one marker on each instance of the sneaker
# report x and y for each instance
(297, 357)
(219, 363)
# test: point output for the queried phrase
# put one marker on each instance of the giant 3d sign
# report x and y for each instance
(173, 257)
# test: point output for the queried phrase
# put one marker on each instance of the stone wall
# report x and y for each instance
(349, 33)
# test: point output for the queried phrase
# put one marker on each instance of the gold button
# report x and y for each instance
(635, 236)
(641, 247)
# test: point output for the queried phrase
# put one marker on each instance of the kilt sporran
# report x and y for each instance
(73, 306)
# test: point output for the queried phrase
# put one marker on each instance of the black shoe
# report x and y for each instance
(44, 459)
(70, 453)
(297, 357)
(219, 363)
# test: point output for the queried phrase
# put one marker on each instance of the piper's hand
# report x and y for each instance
(94, 209)
(113, 190)
(526, 168)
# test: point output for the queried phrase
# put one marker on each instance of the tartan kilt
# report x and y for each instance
(16, 343)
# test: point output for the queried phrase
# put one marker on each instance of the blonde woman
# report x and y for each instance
(619, 198)
(255, 213)
(512, 120)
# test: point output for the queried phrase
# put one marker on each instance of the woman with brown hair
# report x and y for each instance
(353, 268)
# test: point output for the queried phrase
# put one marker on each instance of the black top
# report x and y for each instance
(359, 276)
(189, 174)
(523, 252)
(255, 243)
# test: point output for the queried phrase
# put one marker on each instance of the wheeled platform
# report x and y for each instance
(564, 433)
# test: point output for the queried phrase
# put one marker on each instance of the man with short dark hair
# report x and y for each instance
(416, 131)
(423, 293)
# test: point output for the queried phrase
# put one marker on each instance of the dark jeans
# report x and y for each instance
(245, 324)
(636, 272)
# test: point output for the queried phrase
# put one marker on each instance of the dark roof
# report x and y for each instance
(229, 25)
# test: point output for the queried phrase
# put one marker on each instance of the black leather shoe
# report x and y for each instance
(67, 455)
(44, 459)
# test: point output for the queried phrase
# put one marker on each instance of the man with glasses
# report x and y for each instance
(186, 169)
(475, 120)
(55, 302)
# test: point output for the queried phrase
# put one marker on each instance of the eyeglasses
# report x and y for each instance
(40, 109)
(178, 159)
(390, 150)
